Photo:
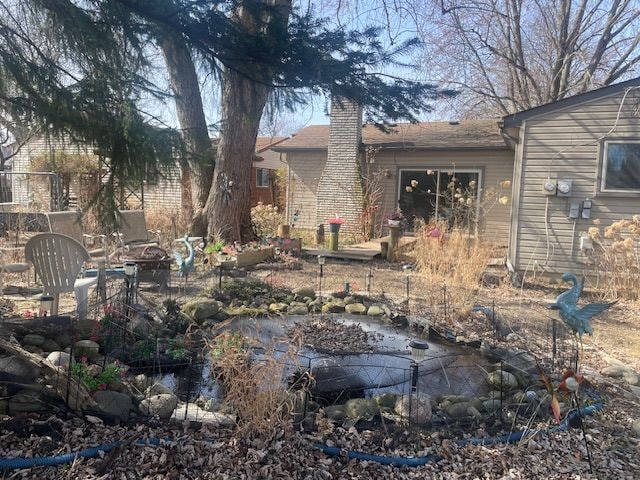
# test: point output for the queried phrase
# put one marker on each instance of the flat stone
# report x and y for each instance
(631, 378)
(375, 311)
(502, 380)
(23, 401)
(302, 292)
(59, 359)
(113, 404)
(335, 413)
(17, 369)
(33, 339)
(361, 408)
(297, 310)
(201, 309)
(161, 405)
(416, 408)
(50, 346)
(613, 371)
(277, 307)
(355, 308)
(86, 348)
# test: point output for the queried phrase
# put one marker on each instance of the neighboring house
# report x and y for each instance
(326, 163)
(583, 151)
(265, 164)
(30, 190)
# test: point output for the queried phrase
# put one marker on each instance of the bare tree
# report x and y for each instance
(510, 55)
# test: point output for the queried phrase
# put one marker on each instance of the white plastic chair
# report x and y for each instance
(58, 260)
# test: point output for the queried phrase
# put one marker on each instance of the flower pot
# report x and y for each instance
(334, 227)
(394, 223)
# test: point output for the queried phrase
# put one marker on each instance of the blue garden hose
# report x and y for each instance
(395, 461)
(52, 460)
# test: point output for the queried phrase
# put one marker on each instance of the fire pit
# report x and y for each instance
(154, 264)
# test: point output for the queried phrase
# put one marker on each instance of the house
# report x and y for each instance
(413, 163)
(577, 165)
(36, 192)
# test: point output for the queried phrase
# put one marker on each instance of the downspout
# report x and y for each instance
(516, 188)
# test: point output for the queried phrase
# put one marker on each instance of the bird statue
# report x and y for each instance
(185, 265)
(577, 319)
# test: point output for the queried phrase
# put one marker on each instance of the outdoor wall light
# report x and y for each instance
(418, 350)
(46, 305)
(129, 269)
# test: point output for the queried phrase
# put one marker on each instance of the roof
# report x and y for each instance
(468, 134)
(516, 119)
(266, 143)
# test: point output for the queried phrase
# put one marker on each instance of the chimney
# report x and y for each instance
(340, 185)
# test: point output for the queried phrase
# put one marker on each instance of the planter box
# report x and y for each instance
(253, 257)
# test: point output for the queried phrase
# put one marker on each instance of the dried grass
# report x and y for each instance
(254, 390)
(169, 224)
(454, 258)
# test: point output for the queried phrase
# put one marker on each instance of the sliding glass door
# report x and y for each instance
(439, 195)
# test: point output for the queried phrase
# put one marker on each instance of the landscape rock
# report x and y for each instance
(302, 292)
(333, 307)
(419, 406)
(161, 405)
(86, 348)
(386, 400)
(50, 346)
(335, 412)
(113, 404)
(361, 408)
(400, 321)
(375, 311)
(157, 389)
(141, 382)
(23, 401)
(59, 359)
(33, 339)
(17, 369)
(613, 371)
(460, 410)
(631, 378)
(64, 340)
(636, 428)
(502, 380)
(201, 309)
(277, 307)
(355, 308)
(491, 405)
(297, 310)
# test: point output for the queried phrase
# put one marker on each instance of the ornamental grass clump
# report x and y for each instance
(616, 257)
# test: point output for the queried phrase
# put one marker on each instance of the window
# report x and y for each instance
(621, 167)
(262, 177)
(440, 195)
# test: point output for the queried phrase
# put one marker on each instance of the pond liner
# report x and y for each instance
(381, 459)
(517, 436)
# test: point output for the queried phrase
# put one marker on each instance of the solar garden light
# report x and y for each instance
(46, 305)
(130, 269)
(418, 352)
(321, 261)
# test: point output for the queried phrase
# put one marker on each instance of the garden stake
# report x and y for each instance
(584, 433)
(553, 342)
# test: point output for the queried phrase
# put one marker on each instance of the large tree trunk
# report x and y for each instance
(197, 170)
(244, 96)
(228, 207)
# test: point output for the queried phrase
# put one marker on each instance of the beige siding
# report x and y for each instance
(566, 145)
(495, 167)
(305, 169)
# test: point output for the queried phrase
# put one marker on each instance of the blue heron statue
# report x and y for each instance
(577, 319)
(185, 265)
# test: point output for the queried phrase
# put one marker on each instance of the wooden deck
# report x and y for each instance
(366, 251)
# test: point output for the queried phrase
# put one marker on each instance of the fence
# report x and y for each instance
(137, 329)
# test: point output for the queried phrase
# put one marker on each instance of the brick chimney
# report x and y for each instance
(340, 185)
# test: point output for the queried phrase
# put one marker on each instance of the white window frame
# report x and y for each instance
(603, 181)
(258, 177)
(440, 170)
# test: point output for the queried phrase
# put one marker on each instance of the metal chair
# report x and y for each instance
(58, 260)
(132, 232)
(70, 224)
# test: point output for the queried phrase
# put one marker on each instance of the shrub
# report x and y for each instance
(265, 220)
(616, 258)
